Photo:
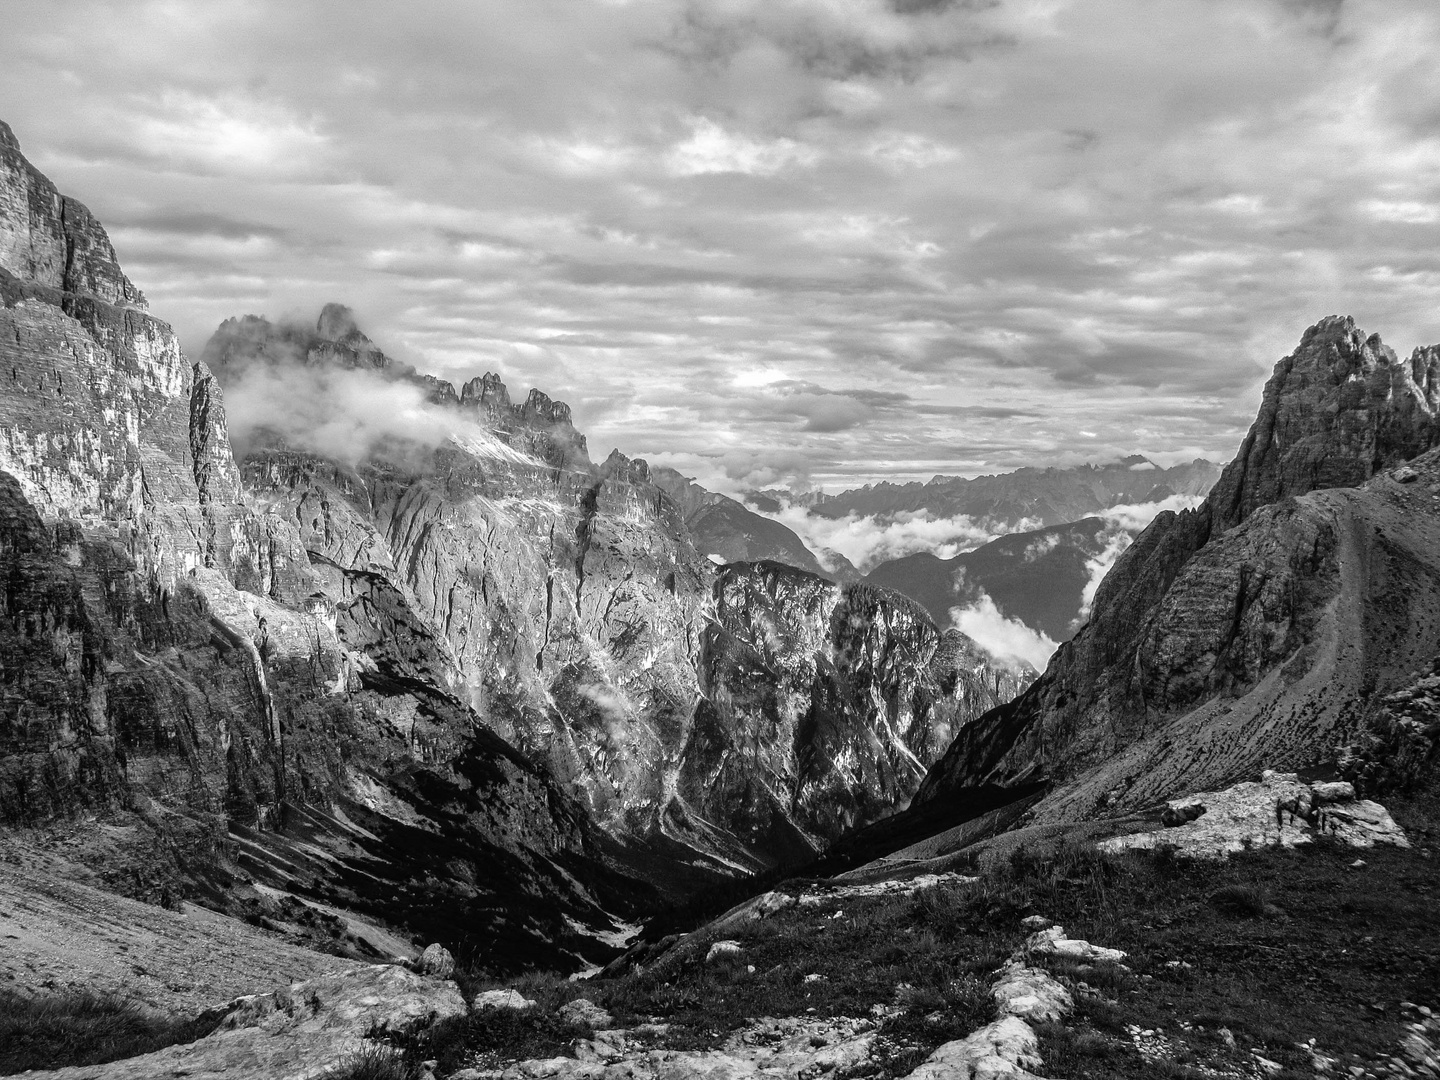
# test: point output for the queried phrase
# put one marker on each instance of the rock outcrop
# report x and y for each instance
(1279, 809)
(313, 1028)
(1253, 631)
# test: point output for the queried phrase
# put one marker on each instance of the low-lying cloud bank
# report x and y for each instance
(869, 541)
(1008, 640)
(1126, 522)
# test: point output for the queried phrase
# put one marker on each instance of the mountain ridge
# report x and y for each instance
(1218, 642)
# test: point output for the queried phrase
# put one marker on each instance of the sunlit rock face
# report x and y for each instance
(567, 603)
(824, 705)
(1255, 630)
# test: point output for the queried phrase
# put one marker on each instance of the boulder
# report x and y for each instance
(1333, 792)
(1174, 816)
(1005, 1050)
(1053, 942)
(771, 903)
(723, 950)
(436, 962)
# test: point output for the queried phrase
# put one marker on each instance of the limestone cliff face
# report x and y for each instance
(457, 677)
(567, 603)
(824, 705)
(1253, 631)
(169, 657)
(561, 600)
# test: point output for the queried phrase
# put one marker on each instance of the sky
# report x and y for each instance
(806, 242)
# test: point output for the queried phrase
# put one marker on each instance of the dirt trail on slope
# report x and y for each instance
(58, 934)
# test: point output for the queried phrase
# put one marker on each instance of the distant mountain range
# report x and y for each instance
(1038, 578)
(1059, 530)
(731, 531)
(1039, 496)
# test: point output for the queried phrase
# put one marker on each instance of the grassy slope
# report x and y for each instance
(1282, 947)
(1331, 958)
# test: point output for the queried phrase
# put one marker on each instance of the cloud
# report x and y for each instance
(712, 149)
(1059, 231)
(347, 415)
(1134, 517)
(1008, 640)
(869, 541)
(1124, 524)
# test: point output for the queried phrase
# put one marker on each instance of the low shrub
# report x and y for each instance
(377, 1063)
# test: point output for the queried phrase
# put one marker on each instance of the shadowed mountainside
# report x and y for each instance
(1256, 630)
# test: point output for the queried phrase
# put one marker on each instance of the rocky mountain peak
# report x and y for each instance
(628, 470)
(1252, 630)
(1337, 410)
(336, 322)
(487, 392)
(53, 241)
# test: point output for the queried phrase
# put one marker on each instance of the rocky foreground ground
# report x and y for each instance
(1299, 955)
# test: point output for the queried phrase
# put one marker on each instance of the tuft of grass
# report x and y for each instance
(84, 1028)
(1241, 901)
(377, 1063)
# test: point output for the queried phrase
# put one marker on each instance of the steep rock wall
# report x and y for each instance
(824, 705)
(568, 604)
(1252, 631)
(169, 659)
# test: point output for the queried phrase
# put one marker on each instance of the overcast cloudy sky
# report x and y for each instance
(834, 240)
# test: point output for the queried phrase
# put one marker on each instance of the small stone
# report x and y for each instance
(1357, 864)
(1268, 1067)
(1035, 922)
(814, 978)
(501, 999)
(1226, 1036)
(436, 962)
(1405, 475)
(586, 1013)
(723, 950)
